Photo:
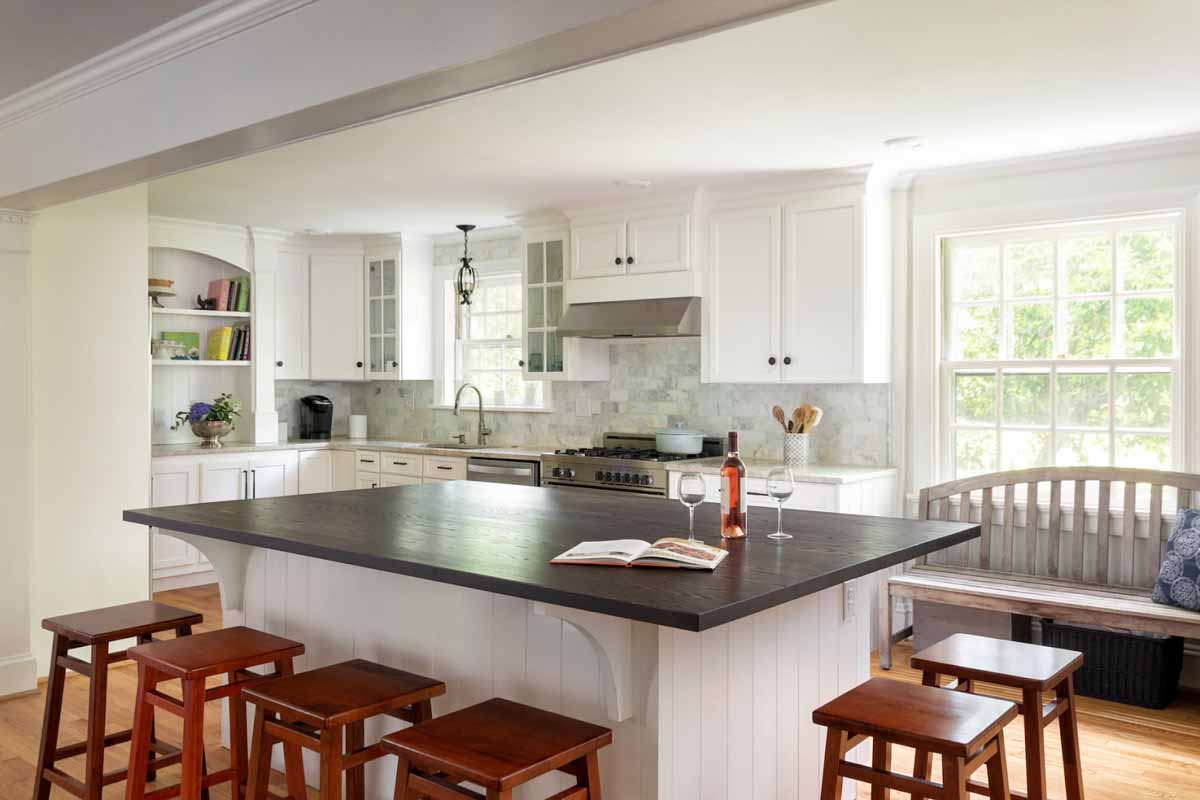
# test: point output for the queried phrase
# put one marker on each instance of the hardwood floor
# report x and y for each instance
(1128, 753)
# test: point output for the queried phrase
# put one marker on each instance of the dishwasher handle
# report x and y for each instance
(500, 471)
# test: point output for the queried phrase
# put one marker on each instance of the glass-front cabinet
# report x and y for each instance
(545, 270)
(383, 317)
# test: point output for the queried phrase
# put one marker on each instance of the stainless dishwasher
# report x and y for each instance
(503, 470)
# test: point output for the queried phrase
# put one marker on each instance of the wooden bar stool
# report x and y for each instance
(967, 731)
(232, 651)
(313, 709)
(498, 745)
(1030, 668)
(96, 629)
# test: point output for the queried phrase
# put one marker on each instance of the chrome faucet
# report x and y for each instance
(484, 430)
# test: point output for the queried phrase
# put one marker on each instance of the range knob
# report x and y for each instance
(568, 472)
(608, 476)
(647, 480)
(557, 472)
(626, 478)
(599, 475)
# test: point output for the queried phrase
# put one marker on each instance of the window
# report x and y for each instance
(487, 351)
(1061, 346)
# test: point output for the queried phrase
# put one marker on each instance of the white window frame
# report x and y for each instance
(1005, 363)
(925, 412)
(446, 348)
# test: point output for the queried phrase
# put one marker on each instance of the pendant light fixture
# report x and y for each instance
(465, 280)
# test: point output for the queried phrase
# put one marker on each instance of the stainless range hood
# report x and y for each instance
(671, 316)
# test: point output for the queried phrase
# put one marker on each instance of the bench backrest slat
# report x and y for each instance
(1132, 560)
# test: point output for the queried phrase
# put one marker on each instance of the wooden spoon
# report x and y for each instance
(777, 413)
(797, 420)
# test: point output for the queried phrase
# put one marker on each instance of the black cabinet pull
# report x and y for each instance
(787, 360)
(358, 363)
(629, 260)
(279, 363)
(365, 461)
(521, 363)
(771, 361)
(617, 261)
(441, 467)
(395, 364)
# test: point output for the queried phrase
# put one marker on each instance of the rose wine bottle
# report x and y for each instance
(733, 492)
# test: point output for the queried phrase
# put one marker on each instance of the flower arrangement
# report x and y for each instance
(223, 409)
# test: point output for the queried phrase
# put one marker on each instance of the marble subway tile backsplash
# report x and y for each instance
(653, 384)
(348, 398)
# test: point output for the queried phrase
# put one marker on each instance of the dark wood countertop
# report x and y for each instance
(499, 539)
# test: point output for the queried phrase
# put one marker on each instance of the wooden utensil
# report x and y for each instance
(777, 413)
(798, 420)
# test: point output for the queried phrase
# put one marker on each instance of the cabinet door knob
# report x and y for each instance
(279, 363)
(787, 359)
(771, 361)
(358, 363)
(617, 261)
(629, 259)
(521, 363)
(395, 364)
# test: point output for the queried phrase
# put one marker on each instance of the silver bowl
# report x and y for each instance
(211, 432)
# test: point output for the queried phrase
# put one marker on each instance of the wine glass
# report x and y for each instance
(780, 485)
(692, 492)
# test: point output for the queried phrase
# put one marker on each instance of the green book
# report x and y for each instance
(189, 339)
(243, 298)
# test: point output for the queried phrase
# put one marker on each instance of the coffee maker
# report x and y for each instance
(316, 417)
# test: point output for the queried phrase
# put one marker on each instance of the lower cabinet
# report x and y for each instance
(344, 477)
(315, 473)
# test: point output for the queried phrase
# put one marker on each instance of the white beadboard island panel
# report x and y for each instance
(721, 715)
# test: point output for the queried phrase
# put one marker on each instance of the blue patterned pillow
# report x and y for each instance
(1178, 581)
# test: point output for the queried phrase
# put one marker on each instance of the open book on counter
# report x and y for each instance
(669, 552)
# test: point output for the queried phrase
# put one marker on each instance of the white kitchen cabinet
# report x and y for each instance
(741, 337)
(444, 468)
(344, 473)
(799, 290)
(631, 244)
(367, 480)
(223, 478)
(315, 472)
(336, 340)
(548, 356)
(398, 281)
(399, 480)
(174, 562)
(238, 476)
(873, 495)
(291, 317)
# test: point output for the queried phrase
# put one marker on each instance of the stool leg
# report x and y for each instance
(1035, 743)
(151, 773)
(93, 770)
(921, 761)
(237, 740)
(293, 759)
(954, 778)
(592, 775)
(51, 718)
(192, 774)
(331, 764)
(260, 758)
(1068, 731)
(881, 758)
(831, 770)
(403, 768)
(139, 744)
(997, 771)
(356, 777)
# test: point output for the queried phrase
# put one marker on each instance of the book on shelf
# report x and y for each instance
(234, 289)
(243, 298)
(219, 340)
(189, 339)
(668, 552)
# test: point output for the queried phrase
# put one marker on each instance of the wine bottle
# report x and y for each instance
(733, 492)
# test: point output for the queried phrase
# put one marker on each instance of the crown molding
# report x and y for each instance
(14, 217)
(199, 28)
(478, 235)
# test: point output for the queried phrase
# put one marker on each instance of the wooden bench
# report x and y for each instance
(1097, 570)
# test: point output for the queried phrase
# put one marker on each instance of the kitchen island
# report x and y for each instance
(708, 679)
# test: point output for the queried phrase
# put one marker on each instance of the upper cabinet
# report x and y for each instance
(399, 305)
(632, 244)
(383, 316)
(336, 342)
(799, 289)
(549, 356)
(291, 318)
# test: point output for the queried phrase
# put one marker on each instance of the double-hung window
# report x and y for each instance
(487, 350)
(1061, 346)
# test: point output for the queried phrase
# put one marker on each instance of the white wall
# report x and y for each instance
(322, 51)
(91, 406)
(16, 661)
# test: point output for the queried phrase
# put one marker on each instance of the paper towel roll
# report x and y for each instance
(358, 426)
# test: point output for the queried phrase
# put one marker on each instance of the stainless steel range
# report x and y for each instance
(627, 462)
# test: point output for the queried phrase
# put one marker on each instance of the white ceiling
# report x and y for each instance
(41, 38)
(819, 88)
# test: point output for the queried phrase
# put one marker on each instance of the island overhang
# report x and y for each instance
(500, 539)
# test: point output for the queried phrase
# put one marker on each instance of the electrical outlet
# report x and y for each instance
(583, 407)
(848, 601)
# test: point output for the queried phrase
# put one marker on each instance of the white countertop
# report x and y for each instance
(813, 473)
(343, 443)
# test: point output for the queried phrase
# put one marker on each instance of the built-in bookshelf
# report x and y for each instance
(191, 362)
(199, 312)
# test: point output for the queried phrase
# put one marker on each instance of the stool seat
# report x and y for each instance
(120, 622)
(214, 653)
(931, 719)
(337, 695)
(1000, 661)
(498, 744)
